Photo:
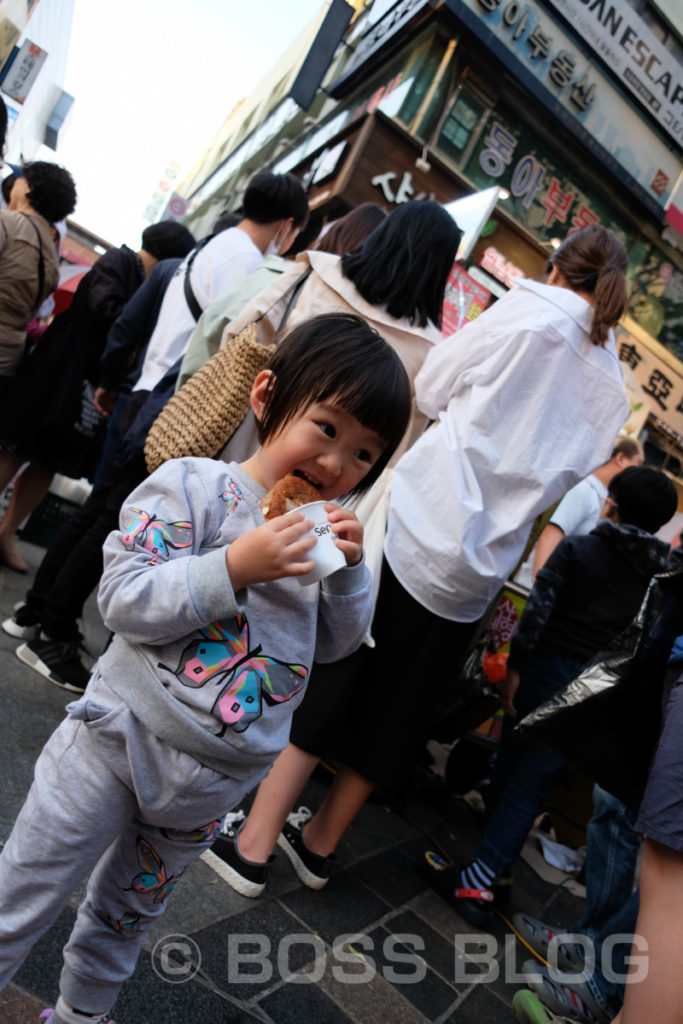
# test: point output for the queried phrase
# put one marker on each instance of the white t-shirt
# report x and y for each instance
(579, 510)
(525, 406)
(223, 261)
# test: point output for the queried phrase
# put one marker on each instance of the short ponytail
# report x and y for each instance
(594, 261)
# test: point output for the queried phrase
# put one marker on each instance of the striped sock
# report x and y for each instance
(477, 875)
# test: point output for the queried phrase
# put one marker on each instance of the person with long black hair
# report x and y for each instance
(395, 280)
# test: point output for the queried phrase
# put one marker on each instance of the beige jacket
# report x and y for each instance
(328, 291)
(19, 299)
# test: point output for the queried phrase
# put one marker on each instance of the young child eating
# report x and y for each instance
(215, 638)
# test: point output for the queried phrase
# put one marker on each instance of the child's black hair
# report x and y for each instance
(644, 497)
(339, 356)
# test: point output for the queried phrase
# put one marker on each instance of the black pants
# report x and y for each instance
(72, 566)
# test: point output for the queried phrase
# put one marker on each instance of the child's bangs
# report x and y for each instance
(371, 402)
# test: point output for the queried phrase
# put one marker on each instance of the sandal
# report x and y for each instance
(474, 905)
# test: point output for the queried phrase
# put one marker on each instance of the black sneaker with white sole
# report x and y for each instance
(312, 868)
(56, 660)
(247, 877)
(24, 624)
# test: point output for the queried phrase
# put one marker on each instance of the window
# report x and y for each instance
(460, 124)
(423, 67)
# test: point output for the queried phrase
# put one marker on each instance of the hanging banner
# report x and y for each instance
(24, 70)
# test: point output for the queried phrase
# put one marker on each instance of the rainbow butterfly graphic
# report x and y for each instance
(152, 534)
(153, 876)
(130, 922)
(203, 834)
(232, 497)
(251, 677)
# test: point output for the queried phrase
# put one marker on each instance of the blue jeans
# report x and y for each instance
(611, 903)
(525, 771)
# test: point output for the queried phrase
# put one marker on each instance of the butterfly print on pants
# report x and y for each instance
(153, 877)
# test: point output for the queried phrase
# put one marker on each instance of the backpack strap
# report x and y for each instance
(41, 262)
(190, 296)
(294, 295)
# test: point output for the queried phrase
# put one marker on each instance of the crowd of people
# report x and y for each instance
(224, 676)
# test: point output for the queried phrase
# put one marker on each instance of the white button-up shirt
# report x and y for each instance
(525, 406)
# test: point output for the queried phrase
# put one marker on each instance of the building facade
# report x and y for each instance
(571, 109)
(34, 46)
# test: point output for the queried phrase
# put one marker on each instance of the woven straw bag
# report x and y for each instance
(204, 414)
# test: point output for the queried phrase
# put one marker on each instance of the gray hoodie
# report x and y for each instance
(215, 673)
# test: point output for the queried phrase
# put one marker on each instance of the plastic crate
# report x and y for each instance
(47, 519)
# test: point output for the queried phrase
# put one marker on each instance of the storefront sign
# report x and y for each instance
(631, 50)
(495, 263)
(24, 71)
(661, 386)
(543, 56)
(464, 300)
(382, 166)
(543, 198)
(398, 188)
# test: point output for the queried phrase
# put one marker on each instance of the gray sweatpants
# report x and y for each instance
(108, 795)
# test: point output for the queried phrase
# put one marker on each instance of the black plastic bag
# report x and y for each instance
(607, 720)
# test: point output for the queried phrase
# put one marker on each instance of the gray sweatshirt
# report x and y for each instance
(215, 673)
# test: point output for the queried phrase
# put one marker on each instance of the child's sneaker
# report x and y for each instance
(312, 868)
(528, 1009)
(57, 660)
(247, 877)
(24, 624)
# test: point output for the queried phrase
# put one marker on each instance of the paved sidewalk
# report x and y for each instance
(407, 960)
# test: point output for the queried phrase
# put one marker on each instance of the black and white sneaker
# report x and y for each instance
(247, 877)
(312, 868)
(57, 660)
(24, 624)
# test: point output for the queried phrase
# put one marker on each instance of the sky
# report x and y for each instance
(153, 81)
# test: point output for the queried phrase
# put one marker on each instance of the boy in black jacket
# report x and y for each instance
(588, 591)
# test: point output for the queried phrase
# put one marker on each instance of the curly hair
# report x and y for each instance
(51, 190)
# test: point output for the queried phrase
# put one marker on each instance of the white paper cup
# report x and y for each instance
(326, 555)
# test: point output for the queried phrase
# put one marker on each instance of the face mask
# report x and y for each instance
(274, 245)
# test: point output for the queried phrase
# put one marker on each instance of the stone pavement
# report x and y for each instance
(375, 947)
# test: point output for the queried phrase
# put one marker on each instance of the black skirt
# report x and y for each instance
(375, 709)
